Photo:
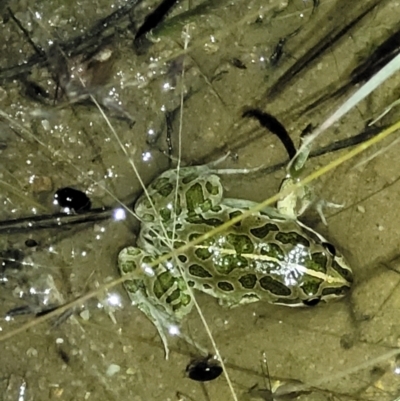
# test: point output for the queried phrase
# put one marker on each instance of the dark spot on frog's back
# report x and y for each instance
(228, 263)
(203, 253)
(199, 271)
(262, 232)
(292, 238)
(194, 197)
(189, 178)
(317, 262)
(197, 219)
(241, 243)
(174, 296)
(267, 283)
(183, 258)
(336, 291)
(225, 286)
(165, 214)
(272, 250)
(164, 188)
(163, 283)
(193, 236)
(311, 286)
(216, 209)
(248, 281)
(234, 214)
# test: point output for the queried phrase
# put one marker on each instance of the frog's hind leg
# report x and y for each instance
(161, 321)
(140, 286)
(165, 324)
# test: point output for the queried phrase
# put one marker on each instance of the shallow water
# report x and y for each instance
(343, 350)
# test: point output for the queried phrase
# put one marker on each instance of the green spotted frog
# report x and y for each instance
(267, 256)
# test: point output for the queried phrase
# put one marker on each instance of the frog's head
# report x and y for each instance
(328, 276)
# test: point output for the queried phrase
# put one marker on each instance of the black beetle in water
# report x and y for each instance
(203, 369)
(72, 199)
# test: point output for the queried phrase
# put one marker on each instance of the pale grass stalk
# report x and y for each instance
(381, 76)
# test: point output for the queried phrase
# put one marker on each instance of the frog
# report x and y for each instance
(268, 255)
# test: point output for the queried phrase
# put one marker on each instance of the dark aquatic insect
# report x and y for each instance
(72, 199)
(63, 355)
(30, 243)
(277, 53)
(328, 41)
(238, 63)
(203, 369)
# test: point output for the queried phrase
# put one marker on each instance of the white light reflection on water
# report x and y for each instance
(146, 156)
(114, 299)
(173, 330)
(119, 214)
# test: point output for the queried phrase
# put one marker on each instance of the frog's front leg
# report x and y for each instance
(298, 200)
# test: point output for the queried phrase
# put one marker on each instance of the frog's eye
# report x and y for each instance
(330, 248)
(312, 302)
